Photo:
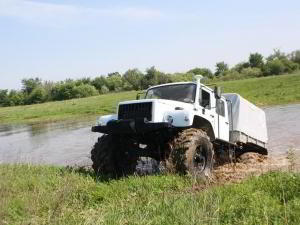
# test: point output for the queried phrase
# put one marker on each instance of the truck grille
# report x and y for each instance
(136, 110)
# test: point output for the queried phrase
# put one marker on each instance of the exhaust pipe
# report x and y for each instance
(198, 91)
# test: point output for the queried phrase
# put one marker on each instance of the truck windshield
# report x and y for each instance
(179, 92)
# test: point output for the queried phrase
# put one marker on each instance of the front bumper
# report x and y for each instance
(130, 126)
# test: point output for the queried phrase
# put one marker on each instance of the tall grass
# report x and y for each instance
(50, 195)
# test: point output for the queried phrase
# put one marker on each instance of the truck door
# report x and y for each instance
(222, 120)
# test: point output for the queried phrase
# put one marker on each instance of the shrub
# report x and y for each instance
(202, 71)
(178, 77)
(4, 98)
(16, 98)
(38, 95)
(252, 72)
(63, 91)
(289, 66)
(104, 90)
(84, 90)
(114, 82)
(231, 75)
(295, 56)
(238, 67)
(98, 82)
(274, 67)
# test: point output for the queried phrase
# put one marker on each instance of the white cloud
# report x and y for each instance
(62, 14)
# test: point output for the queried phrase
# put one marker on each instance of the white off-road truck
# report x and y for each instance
(187, 126)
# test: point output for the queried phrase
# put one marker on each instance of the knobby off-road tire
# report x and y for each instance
(191, 153)
(112, 159)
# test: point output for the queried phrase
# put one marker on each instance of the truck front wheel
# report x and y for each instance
(191, 153)
(111, 158)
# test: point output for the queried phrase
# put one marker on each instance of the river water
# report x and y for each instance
(69, 143)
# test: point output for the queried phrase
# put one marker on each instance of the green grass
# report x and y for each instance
(83, 108)
(50, 195)
(261, 91)
(273, 90)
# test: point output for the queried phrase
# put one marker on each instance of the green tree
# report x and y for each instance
(295, 56)
(202, 71)
(16, 98)
(4, 101)
(150, 77)
(256, 60)
(277, 54)
(38, 95)
(221, 68)
(114, 74)
(289, 66)
(85, 80)
(114, 82)
(240, 66)
(63, 91)
(28, 85)
(181, 77)
(99, 82)
(273, 67)
(134, 78)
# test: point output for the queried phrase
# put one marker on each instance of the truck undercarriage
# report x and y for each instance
(132, 139)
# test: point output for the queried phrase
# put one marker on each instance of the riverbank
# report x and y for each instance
(264, 91)
(53, 195)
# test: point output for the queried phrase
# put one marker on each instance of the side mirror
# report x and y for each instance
(218, 92)
(138, 95)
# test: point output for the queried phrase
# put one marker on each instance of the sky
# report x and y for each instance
(60, 39)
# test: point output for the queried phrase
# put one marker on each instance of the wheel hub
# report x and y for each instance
(200, 159)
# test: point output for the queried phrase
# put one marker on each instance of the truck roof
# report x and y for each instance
(176, 83)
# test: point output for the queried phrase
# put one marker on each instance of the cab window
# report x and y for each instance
(205, 103)
(220, 109)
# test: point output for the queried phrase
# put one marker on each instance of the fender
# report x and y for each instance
(204, 124)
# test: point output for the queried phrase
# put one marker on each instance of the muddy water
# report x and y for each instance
(69, 143)
(283, 129)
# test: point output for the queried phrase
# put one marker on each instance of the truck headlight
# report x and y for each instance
(98, 122)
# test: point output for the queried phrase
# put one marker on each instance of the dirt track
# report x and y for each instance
(253, 164)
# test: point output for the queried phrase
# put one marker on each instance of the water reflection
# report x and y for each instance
(57, 143)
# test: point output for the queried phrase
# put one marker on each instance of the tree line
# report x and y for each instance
(34, 90)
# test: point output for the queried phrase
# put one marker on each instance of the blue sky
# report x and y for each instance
(56, 40)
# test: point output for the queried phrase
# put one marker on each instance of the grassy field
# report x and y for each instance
(261, 91)
(83, 108)
(51, 195)
(273, 90)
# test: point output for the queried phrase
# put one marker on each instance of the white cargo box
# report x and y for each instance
(247, 121)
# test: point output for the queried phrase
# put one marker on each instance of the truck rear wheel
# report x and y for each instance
(110, 158)
(191, 153)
